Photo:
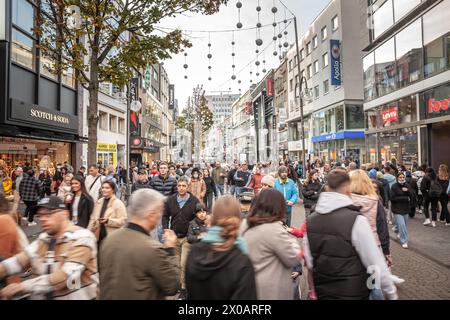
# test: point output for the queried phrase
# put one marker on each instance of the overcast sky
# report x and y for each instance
(221, 48)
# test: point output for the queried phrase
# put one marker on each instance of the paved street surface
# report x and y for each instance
(425, 266)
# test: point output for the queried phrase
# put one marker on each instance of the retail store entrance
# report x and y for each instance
(440, 142)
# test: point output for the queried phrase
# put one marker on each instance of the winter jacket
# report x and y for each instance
(219, 275)
(368, 208)
(210, 185)
(116, 213)
(445, 185)
(311, 193)
(289, 191)
(197, 188)
(9, 242)
(230, 179)
(135, 267)
(255, 183)
(196, 227)
(414, 191)
(85, 209)
(401, 200)
(166, 186)
(273, 253)
(242, 178)
(179, 218)
(390, 179)
(292, 173)
(383, 229)
(138, 185)
(215, 174)
(30, 188)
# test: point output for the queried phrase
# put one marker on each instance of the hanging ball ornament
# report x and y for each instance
(286, 44)
(239, 4)
(257, 63)
(280, 46)
(239, 81)
(274, 24)
(259, 25)
(209, 67)
(264, 61)
(233, 54)
(185, 66)
(209, 44)
(258, 8)
(285, 33)
(274, 10)
(185, 77)
(209, 78)
(233, 77)
(264, 70)
(185, 54)
(285, 21)
(209, 56)
(274, 38)
(280, 35)
(239, 25)
(233, 66)
(233, 43)
(257, 74)
(275, 53)
(257, 51)
(259, 42)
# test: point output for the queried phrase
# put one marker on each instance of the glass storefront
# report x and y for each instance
(40, 154)
(106, 154)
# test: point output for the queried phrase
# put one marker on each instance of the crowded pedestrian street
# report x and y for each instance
(258, 154)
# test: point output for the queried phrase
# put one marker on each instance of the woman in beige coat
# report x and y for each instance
(109, 213)
(197, 186)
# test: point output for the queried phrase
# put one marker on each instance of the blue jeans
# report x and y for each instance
(232, 190)
(219, 189)
(238, 191)
(376, 294)
(401, 221)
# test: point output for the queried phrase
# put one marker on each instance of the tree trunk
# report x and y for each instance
(92, 112)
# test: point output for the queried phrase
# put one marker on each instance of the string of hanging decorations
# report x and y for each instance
(209, 57)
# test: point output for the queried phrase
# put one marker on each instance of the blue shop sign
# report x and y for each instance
(336, 74)
(339, 136)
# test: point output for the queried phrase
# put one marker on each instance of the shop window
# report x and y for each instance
(407, 110)
(385, 69)
(23, 49)
(436, 39)
(355, 117)
(409, 54)
(369, 76)
(383, 18)
(372, 118)
(23, 15)
(371, 148)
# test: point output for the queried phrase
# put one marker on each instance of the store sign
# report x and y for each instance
(435, 106)
(134, 87)
(269, 87)
(106, 147)
(42, 118)
(339, 136)
(389, 115)
(171, 97)
(336, 75)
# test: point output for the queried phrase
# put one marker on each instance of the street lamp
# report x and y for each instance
(300, 89)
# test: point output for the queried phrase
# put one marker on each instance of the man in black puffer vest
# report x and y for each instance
(340, 249)
(163, 182)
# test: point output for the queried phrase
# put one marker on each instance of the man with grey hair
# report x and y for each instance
(133, 266)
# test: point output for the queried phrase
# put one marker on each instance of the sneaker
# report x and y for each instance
(442, 221)
(32, 224)
(182, 295)
(420, 211)
(24, 218)
(405, 246)
(396, 279)
(447, 224)
(427, 222)
(398, 236)
(433, 224)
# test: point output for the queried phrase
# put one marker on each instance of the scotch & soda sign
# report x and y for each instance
(48, 116)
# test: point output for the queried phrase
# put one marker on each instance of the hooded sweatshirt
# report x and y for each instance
(369, 207)
(214, 275)
(362, 240)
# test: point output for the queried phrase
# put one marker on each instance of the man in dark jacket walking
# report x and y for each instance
(163, 182)
(230, 179)
(142, 183)
(179, 212)
(29, 191)
(340, 249)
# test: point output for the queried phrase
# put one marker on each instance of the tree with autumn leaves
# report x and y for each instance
(109, 40)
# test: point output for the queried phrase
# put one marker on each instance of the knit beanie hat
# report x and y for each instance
(269, 180)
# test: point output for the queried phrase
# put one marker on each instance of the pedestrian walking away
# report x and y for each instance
(218, 267)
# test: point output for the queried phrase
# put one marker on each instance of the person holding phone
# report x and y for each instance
(109, 213)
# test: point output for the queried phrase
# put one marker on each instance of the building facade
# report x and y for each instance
(220, 105)
(406, 81)
(330, 61)
(243, 144)
(41, 115)
(281, 109)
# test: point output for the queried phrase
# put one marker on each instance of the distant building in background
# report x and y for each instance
(220, 104)
(182, 146)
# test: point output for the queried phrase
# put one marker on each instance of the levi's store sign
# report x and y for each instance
(389, 115)
(436, 106)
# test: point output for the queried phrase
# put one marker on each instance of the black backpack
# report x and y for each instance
(435, 189)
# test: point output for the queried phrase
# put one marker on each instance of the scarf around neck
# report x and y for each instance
(213, 236)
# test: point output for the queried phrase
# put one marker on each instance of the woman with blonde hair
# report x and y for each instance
(218, 267)
(65, 188)
(443, 179)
